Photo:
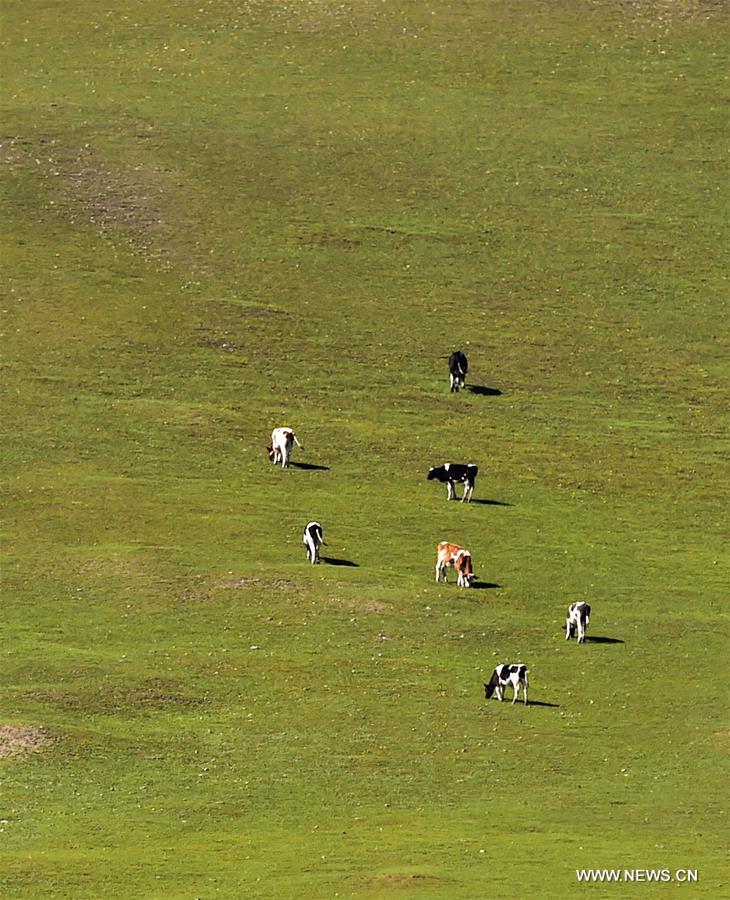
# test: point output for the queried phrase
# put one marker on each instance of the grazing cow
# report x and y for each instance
(458, 367)
(579, 617)
(282, 441)
(313, 540)
(508, 673)
(455, 473)
(453, 555)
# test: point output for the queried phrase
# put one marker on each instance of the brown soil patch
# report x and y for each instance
(18, 740)
(241, 583)
(152, 694)
(282, 585)
(395, 881)
(362, 606)
(720, 738)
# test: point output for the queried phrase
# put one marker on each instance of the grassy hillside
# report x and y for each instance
(225, 217)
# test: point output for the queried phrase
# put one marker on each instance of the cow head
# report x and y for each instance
(270, 451)
(431, 473)
(489, 688)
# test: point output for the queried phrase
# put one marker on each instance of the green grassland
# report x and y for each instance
(229, 216)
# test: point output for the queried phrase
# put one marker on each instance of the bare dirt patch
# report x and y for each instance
(395, 881)
(19, 740)
(101, 700)
(239, 583)
(362, 606)
(281, 584)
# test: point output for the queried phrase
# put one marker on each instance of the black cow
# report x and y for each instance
(458, 367)
(455, 473)
(508, 673)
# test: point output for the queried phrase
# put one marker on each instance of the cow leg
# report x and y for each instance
(568, 630)
(499, 691)
(449, 490)
(524, 691)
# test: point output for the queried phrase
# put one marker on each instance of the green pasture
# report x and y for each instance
(223, 217)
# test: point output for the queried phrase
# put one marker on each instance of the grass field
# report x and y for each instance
(229, 216)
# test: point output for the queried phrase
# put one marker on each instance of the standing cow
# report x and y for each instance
(458, 367)
(453, 474)
(282, 441)
(577, 620)
(313, 539)
(447, 555)
(508, 673)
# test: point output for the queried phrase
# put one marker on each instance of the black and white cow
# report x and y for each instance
(455, 473)
(458, 367)
(313, 540)
(508, 673)
(578, 619)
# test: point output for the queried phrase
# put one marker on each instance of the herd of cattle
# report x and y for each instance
(448, 554)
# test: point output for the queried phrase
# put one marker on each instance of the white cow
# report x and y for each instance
(282, 441)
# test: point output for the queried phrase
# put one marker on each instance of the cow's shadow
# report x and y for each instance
(483, 390)
(484, 585)
(333, 561)
(520, 702)
(489, 502)
(599, 639)
(310, 467)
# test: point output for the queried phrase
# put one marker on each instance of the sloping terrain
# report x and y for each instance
(230, 216)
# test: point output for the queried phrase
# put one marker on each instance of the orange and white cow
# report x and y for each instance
(449, 554)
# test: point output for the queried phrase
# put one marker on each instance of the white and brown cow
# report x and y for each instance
(447, 555)
(282, 441)
(508, 673)
(577, 620)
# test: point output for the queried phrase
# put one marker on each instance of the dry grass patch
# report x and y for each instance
(356, 605)
(396, 881)
(19, 740)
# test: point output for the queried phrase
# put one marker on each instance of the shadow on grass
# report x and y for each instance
(333, 561)
(490, 502)
(597, 639)
(543, 703)
(484, 585)
(483, 391)
(310, 467)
